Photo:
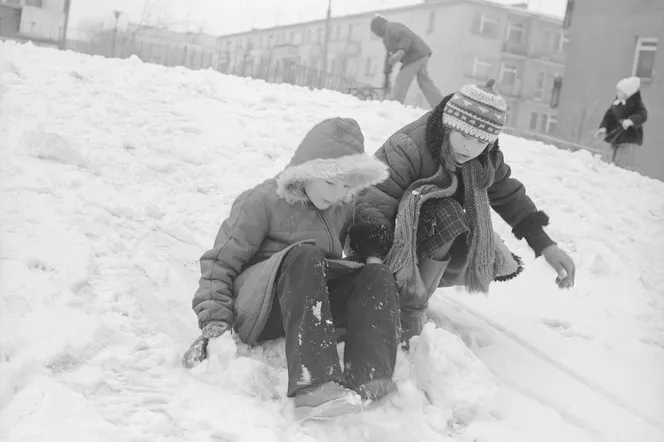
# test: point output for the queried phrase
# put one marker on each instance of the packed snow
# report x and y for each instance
(115, 177)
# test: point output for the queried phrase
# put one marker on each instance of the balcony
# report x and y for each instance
(513, 48)
(353, 48)
(510, 90)
(286, 50)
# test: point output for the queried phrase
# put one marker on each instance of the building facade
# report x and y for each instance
(471, 40)
(41, 21)
(611, 40)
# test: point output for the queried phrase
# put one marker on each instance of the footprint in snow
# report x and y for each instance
(564, 328)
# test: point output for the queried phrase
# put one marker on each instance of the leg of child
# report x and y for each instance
(311, 350)
(366, 302)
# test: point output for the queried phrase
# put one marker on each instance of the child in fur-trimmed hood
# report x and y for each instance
(432, 215)
(276, 270)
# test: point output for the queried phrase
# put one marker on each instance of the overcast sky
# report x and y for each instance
(229, 16)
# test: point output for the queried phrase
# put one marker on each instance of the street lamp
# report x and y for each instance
(63, 36)
(326, 41)
(116, 13)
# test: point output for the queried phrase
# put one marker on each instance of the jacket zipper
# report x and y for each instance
(329, 232)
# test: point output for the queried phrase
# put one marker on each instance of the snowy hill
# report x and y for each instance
(115, 177)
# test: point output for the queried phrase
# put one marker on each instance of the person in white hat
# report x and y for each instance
(622, 125)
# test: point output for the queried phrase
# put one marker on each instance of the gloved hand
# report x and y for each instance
(600, 132)
(396, 57)
(197, 352)
(412, 323)
(370, 240)
(563, 265)
(626, 124)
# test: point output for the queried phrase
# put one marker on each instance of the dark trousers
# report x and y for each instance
(309, 306)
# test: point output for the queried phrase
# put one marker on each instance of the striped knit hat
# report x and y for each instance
(476, 111)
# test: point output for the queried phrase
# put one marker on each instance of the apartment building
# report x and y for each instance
(611, 40)
(471, 40)
(41, 21)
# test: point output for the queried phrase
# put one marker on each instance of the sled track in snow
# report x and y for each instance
(596, 388)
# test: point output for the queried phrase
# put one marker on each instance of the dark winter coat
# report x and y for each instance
(238, 275)
(398, 36)
(634, 110)
(414, 152)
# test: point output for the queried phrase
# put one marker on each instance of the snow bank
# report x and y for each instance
(115, 176)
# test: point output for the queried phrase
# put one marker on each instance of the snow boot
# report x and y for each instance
(326, 401)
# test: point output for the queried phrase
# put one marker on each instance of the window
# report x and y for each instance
(515, 33)
(350, 32)
(644, 58)
(544, 122)
(562, 43)
(338, 33)
(351, 69)
(485, 26)
(508, 117)
(432, 22)
(508, 75)
(481, 68)
(547, 40)
(553, 125)
(333, 67)
(369, 70)
(36, 3)
(534, 118)
(291, 39)
(540, 85)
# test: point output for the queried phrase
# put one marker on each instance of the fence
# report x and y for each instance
(194, 56)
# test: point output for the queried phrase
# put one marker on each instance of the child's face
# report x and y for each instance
(621, 95)
(326, 193)
(465, 148)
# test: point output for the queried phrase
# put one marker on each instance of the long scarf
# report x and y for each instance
(402, 257)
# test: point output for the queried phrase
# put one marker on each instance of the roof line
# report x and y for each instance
(427, 5)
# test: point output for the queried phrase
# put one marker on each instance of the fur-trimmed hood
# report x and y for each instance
(334, 148)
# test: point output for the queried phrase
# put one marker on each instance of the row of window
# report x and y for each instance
(550, 40)
(35, 3)
(509, 77)
(296, 37)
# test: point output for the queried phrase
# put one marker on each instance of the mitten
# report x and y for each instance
(196, 353)
(370, 239)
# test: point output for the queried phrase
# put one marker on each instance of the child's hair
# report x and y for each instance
(434, 130)
(488, 174)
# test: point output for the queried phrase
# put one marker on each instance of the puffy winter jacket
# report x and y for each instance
(238, 274)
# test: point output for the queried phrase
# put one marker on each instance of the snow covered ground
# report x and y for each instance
(115, 176)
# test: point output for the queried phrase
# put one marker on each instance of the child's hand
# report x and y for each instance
(600, 132)
(626, 124)
(196, 353)
(563, 265)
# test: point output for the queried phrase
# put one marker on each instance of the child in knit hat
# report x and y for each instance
(432, 214)
(622, 125)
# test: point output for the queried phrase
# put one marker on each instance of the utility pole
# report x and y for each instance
(326, 40)
(63, 36)
(116, 13)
